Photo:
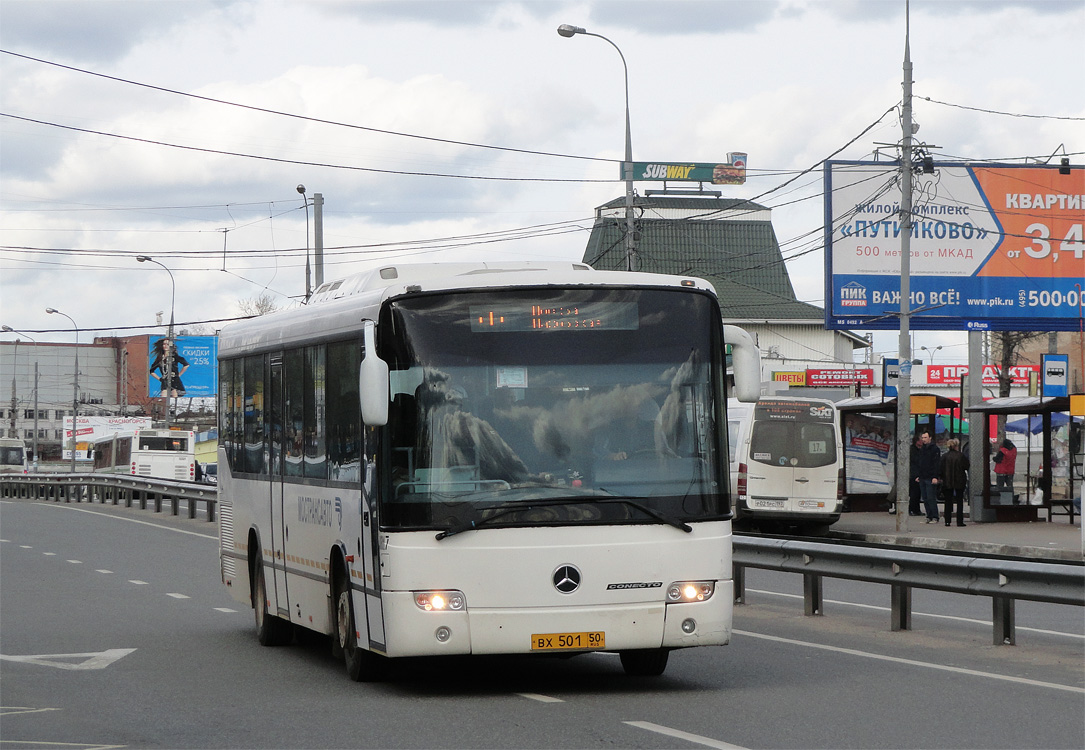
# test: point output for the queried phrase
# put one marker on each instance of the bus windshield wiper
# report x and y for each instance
(649, 511)
(511, 507)
(601, 496)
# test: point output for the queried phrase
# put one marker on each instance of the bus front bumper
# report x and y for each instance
(412, 631)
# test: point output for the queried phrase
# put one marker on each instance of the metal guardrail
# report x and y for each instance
(115, 489)
(1005, 581)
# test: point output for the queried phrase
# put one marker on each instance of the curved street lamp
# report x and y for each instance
(930, 351)
(167, 367)
(308, 273)
(75, 382)
(568, 30)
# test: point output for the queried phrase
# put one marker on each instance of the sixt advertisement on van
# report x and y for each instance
(993, 246)
(793, 411)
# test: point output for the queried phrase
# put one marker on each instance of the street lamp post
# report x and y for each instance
(308, 272)
(567, 30)
(168, 350)
(930, 351)
(75, 382)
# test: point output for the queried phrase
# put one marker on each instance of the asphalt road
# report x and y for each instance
(116, 632)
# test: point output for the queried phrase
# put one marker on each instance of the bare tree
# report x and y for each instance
(262, 304)
(1006, 347)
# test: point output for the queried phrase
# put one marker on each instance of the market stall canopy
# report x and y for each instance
(1035, 422)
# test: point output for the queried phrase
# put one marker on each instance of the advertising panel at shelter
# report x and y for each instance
(993, 246)
(194, 365)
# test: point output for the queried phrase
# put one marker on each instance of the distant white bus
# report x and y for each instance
(166, 454)
(13, 456)
(480, 459)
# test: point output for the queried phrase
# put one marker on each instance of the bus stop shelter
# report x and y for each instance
(1040, 415)
(874, 495)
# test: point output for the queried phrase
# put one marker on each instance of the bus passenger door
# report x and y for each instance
(374, 611)
(274, 427)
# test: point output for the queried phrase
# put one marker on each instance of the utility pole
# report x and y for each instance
(904, 380)
(318, 237)
(14, 401)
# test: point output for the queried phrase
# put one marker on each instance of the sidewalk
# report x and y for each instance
(1038, 540)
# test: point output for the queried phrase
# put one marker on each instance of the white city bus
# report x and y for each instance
(469, 459)
(166, 454)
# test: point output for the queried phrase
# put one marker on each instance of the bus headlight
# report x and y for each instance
(690, 591)
(440, 601)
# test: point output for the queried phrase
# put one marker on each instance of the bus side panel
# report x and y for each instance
(315, 520)
(235, 521)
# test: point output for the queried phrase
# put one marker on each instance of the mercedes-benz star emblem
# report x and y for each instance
(567, 579)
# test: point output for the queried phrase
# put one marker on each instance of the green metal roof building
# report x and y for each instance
(731, 243)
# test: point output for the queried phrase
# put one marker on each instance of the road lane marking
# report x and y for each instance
(179, 596)
(224, 609)
(138, 583)
(540, 698)
(679, 734)
(130, 520)
(13, 710)
(50, 554)
(76, 562)
(970, 620)
(914, 662)
(92, 660)
(103, 570)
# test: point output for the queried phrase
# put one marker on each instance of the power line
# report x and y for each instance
(304, 117)
(1004, 114)
(297, 162)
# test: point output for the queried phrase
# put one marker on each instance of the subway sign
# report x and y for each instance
(731, 172)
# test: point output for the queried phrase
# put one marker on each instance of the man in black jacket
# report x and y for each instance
(954, 480)
(928, 470)
(913, 479)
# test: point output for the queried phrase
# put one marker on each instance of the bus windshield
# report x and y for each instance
(553, 406)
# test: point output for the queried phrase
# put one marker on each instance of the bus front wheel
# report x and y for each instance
(270, 630)
(648, 662)
(362, 665)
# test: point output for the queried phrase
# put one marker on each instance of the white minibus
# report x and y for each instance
(785, 455)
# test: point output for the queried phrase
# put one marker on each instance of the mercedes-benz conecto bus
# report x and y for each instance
(786, 455)
(468, 459)
(166, 454)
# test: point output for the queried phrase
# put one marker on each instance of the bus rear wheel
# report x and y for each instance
(362, 665)
(648, 662)
(270, 630)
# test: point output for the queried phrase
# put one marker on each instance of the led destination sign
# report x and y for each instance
(523, 316)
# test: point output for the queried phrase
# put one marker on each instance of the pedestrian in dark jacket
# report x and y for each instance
(913, 479)
(954, 480)
(928, 471)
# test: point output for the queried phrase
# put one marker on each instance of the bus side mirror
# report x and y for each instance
(745, 363)
(372, 380)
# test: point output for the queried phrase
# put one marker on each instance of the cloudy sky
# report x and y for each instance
(454, 129)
